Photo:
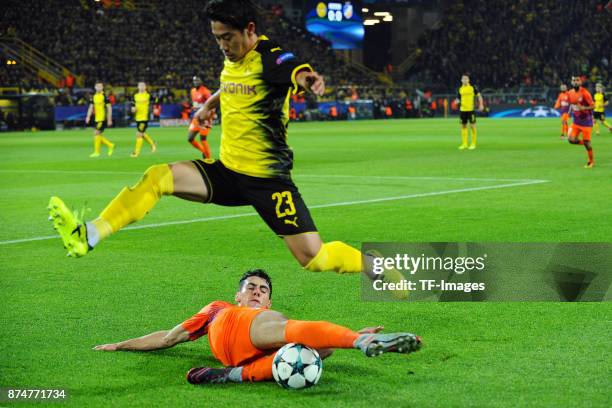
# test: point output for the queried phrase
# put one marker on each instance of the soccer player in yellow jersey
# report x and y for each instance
(100, 107)
(599, 113)
(255, 164)
(141, 109)
(465, 95)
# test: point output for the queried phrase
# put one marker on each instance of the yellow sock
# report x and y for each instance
(464, 136)
(148, 139)
(596, 126)
(97, 143)
(105, 141)
(473, 137)
(336, 256)
(133, 203)
(606, 124)
(138, 146)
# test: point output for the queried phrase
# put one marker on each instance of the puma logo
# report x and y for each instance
(292, 222)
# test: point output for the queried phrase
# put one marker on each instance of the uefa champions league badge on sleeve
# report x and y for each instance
(451, 271)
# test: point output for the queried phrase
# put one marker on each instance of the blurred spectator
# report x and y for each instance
(505, 44)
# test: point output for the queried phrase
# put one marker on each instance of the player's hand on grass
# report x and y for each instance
(372, 330)
(106, 347)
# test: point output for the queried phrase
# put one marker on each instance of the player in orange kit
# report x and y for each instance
(581, 105)
(563, 105)
(246, 336)
(199, 95)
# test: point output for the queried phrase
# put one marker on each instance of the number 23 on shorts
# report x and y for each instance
(284, 197)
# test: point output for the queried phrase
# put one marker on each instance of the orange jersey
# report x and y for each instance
(199, 96)
(582, 97)
(228, 328)
(562, 102)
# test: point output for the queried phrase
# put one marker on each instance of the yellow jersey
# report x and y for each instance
(600, 101)
(99, 102)
(142, 101)
(254, 98)
(466, 95)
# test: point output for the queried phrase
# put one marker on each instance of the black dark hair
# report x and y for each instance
(260, 273)
(234, 13)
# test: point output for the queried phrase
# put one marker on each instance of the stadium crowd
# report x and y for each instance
(165, 44)
(508, 44)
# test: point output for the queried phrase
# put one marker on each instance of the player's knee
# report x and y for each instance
(191, 136)
(307, 254)
(160, 177)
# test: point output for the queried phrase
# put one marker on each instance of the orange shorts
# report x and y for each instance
(194, 126)
(229, 336)
(575, 130)
(564, 117)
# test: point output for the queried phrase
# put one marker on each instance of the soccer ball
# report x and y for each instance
(297, 366)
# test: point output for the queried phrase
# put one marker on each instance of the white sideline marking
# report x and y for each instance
(340, 204)
(110, 172)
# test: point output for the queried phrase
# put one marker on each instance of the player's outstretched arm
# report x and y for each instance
(312, 81)
(109, 114)
(89, 113)
(206, 114)
(154, 341)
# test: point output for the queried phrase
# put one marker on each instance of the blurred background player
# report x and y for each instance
(465, 95)
(199, 95)
(599, 114)
(102, 110)
(581, 105)
(562, 104)
(141, 110)
(156, 108)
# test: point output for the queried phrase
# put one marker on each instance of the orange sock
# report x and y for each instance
(564, 129)
(319, 334)
(198, 146)
(590, 154)
(206, 150)
(258, 370)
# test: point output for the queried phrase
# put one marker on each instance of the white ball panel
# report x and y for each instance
(284, 370)
(296, 381)
(311, 372)
(291, 355)
(308, 356)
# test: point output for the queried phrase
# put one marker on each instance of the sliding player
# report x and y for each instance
(141, 110)
(100, 107)
(581, 105)
(246, 336)
(465, 95)
(599, 113)
(199, 95)
(562, 104)
(255, 162)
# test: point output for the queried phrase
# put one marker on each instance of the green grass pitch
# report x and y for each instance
(398, 180)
